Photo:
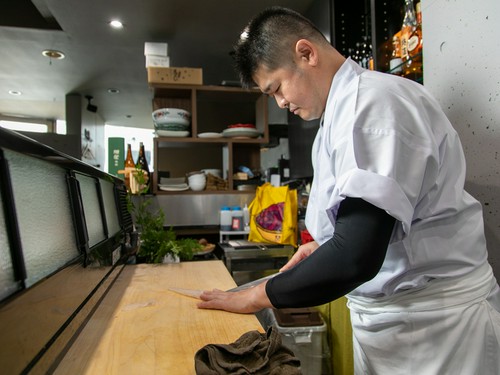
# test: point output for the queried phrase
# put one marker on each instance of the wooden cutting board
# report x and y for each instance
(141, 327)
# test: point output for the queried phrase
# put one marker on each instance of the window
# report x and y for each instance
(34, 125)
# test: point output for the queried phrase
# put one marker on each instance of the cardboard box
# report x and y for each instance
(158, 49)
(186, 76)
(157, 61)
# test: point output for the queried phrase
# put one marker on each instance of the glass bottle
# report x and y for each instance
(415, 39)
(142, 164)
(414, 64)
(129, 165)
(408, 28)
(395, 64)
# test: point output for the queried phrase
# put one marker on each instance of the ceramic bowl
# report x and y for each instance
(197, 179)
(171, 127)
(194, 173)
(171, 116)
(197, 186)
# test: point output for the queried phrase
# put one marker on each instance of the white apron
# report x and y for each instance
(449, 327)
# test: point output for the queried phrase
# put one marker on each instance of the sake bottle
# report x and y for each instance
(142, 164)
(129, 166)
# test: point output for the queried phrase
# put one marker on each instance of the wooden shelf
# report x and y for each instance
(213, 109)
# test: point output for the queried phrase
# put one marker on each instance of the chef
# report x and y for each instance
(394, 229)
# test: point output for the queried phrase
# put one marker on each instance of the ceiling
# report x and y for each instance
(97, 58)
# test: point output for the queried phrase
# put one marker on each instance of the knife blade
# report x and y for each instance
(195, 293)
(253, 283)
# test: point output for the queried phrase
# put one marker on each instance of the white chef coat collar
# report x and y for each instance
(348, 70)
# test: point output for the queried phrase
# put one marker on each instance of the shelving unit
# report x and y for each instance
(213, 109)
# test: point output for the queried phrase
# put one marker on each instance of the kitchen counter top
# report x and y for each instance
(141, 327)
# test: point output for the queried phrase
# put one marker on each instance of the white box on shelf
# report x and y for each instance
(158, 49)
(155, 61)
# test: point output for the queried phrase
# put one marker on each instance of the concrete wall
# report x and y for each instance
(462, 70)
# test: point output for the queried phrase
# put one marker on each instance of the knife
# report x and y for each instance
(253, 283)
(195, 293)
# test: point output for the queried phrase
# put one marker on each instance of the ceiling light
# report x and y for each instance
(115, 24)
(53, 54)
(113, 91)
(15, 92)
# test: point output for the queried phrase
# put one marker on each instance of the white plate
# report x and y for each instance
(241, 132)
(172, 180)
(175, 186)
(172, 133)
(210, 135)
(180, 187)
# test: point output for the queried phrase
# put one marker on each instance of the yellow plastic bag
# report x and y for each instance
(273, 215)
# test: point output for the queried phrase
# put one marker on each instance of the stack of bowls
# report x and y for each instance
(197, 180)
(171, 122)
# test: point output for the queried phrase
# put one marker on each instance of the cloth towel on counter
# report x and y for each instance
(253, 353)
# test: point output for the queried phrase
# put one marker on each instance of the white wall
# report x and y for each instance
(462, 70)
(93, 147)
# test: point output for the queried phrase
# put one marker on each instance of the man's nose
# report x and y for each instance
(282, 103)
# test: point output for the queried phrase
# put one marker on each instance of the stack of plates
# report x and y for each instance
(173, 184)
(241, 131)
(210, 135)
(174, 187)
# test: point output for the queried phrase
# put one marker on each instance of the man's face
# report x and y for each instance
(293, 88)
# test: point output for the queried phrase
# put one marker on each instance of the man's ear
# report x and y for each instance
(306, 51)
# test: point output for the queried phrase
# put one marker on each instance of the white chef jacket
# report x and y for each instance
(386, 140)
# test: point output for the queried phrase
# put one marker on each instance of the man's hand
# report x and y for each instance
(303, 252)
(245, 301)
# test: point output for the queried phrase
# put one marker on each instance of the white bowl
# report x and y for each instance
(171, 127)
(197, 179)
(197, 186)
(194, 173)
(171, 116)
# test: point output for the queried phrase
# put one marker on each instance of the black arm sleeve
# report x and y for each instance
(353, 256)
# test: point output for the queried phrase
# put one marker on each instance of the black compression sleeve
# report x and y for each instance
(353, 256)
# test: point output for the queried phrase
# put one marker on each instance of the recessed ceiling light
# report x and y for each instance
(113, 91)
(53, 54)
(15, 92)
(115, 24)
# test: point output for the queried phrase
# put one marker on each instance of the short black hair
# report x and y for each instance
(269, 40)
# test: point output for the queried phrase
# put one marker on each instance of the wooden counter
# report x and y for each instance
(141, 327)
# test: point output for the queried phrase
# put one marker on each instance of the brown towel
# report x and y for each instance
(253, 353)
